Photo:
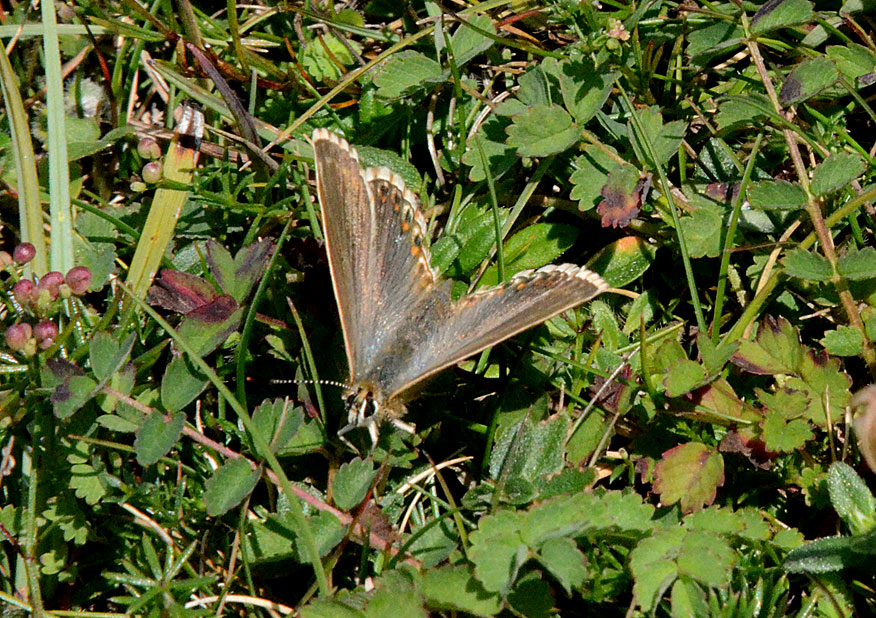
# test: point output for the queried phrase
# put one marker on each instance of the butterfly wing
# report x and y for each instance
(490, 316)
(379, 258)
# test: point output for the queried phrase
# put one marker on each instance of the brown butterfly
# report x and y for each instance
(400, 324)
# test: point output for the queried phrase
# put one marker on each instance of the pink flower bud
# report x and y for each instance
(79, 278)
(23, 253)
(51, 282)
(45, 333)
(18, 335)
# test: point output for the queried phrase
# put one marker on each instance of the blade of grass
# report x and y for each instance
(61, 215)
(30, 211)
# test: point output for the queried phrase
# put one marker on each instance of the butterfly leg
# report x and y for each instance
(400, 425)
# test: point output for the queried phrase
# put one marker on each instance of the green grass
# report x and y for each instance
(692, 443)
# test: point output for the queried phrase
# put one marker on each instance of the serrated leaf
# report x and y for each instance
(688, 599)
(530, 451)
(683, 377)
(277, 422)
(238, 277)
(206, 327)
(499, 155)
(852, 499)
(180, 384)
(352, 482)
(844, 341)
(776, 349)
(714, 357)
(653, 566)
(73, 393)
(563, 560)
(542, 130)
(777, 195)
(395, 595)
(852, 60)
(532, 247)
(106, 355)
(858, 265)
(584, 85)
(689, 474)
(775, 14)
(593, 167)
(406, 72)
(706, 558)
(455, 588)
(737, 110)
(497, 552)
(808, 79)
(663, 139)
(622, 197)
(781, 435)
(468, 42)
(85, 481)
(823, 380)
(157, 436)
(807, 265)
(230, 484)
(836, 172)
(703, 231)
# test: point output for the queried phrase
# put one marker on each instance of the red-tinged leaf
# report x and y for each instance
(689, 474)
(622, 197)
(722, 401)
(181, 292)
(775, 350)
(216, 311)
(750, 447)
(823, 381)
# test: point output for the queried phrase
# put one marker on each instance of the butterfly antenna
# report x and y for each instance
(342, 385)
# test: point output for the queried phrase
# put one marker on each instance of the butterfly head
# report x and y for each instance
(368, 408)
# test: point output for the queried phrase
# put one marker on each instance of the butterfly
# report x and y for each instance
(399, 321)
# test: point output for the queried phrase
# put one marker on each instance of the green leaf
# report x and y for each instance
(777, 195)
(664, 139)
(468, 42)
(688, 599)
(531, 248)
(773, 15)
(593, 168)
(531, 450)
(776, 349)
(683, 377)
(277, 422)
(735, 111)
(395, 595)
(653, 566)
(851, 498)
(624, 261)
(822, 379)
(703, 230)
(858, 265)
(706, 558)
(352, 482)
(238, 277)
(852, 60)
(562, 559)
(157, 436)
(824, 556)
(808, 79)
(320, 57)
(206, 327)
(500, 156)
(106, 355)
(781, 435)
(405, 72)
(181, 384)
(806, 265)
(713, 39)
(714, 357)
(689, 474)
(71, 395)
(230, 484)
(836, 172)
(844, 341)
(542, 130)
(454, 588)
(584, 85)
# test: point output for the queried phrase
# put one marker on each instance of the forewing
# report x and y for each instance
(348, 223)
(490, 316)
(378, 251)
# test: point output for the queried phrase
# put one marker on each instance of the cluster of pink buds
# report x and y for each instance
(38, 298)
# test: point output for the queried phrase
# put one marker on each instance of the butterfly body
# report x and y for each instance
(399, 321)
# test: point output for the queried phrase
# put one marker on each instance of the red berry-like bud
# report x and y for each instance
(45, 333)
(5, 259)
(51, 282)
(148, 148)
(18, 335)
(23, 253)
(24, 292)
(152, 172)
(79, 278)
